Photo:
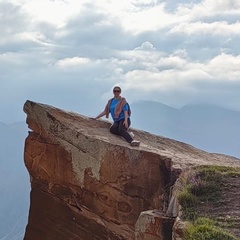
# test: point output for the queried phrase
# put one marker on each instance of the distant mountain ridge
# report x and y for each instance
(208, 127)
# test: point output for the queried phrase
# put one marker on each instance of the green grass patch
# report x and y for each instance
(204, 229)
(188, 201)
(224, 171)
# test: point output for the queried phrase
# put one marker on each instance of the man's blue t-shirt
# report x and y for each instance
(112, 109)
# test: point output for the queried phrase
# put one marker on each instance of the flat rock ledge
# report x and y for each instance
(89, 184)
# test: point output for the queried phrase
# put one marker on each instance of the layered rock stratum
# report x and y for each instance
(89, 184)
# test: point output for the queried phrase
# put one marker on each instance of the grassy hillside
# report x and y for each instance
(210, 202)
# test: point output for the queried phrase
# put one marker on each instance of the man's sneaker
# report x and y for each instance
(135, 143)
(131, 134)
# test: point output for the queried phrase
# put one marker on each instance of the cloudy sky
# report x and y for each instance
(70, 53)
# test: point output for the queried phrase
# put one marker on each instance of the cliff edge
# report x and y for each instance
(90, 184)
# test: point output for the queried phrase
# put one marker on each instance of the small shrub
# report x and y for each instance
(204, 220)
(203, 229)
(187, 199)
(206, 190)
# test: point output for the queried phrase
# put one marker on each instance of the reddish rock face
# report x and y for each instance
(87, 183)
(90, 184)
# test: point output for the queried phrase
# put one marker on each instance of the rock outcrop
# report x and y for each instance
(90, 184)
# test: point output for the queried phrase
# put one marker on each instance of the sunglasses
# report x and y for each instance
(116, 90)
